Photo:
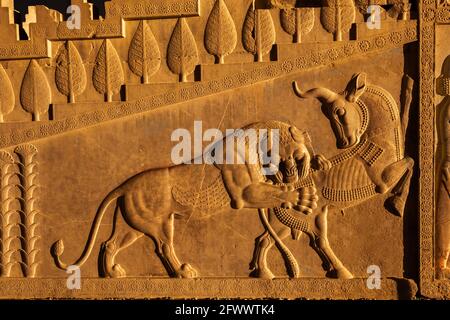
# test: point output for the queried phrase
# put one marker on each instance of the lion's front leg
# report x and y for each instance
(246, 191)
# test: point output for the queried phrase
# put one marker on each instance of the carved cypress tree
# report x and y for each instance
(220, 32)
(297, 22)
(7, 97)
(337, 16)
(182, 53)
(35, 94)
(144, 57)
(258, 32)
(70, 75)
(108, 73)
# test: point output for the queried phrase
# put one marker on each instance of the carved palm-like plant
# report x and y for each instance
(182, 53)
(258, 32)
(337, 16)
(144, 57)
(28, 213)
(108, 74)
(35, 94)
(220, 32)
(7, 96)
(70, 75)
(6, 226)
(297, 22)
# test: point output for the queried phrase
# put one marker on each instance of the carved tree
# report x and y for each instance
(297, 22)
(35, 94)
(337, 16)
(7, 97)
(70, 73)
(108, 74)
(220, 32)
(144, 57)
(258, 32)
(182, 53)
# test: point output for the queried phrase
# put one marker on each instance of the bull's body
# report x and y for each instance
(371, 164)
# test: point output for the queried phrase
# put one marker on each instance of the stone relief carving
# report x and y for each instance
(19, 227)
(443, 175)
(70, 75)
(7, 258)
(337, 17)
(102, 97)
(258, 32)
(35, 94)
(148, 202)
(297, 22)
(368, 126)
(108, 75)
(220, 32)
(7, 95)
(182, 53)
(144, 57)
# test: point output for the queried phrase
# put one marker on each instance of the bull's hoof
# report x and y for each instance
(262, 274)
(186, 271)
(396, 205)
(341, 273)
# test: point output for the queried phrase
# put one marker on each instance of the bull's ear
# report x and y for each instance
(297, 135)
(356, 87)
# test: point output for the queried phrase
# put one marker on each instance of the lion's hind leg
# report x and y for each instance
(122, 237)
(163, 240)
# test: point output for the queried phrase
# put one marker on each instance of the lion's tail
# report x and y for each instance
(58, 247)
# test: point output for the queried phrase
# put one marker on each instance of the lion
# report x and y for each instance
(147, 203)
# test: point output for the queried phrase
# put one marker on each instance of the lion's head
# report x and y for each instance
(293, 158)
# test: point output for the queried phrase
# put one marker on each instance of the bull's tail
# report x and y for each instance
(58, 247)
(408, 84)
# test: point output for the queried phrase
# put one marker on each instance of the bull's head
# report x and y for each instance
(342, 109)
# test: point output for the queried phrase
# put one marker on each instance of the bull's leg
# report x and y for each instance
(323, 246)
(397, 177)
(121, 238)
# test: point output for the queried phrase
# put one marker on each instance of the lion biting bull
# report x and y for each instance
(368, 127)
(149, 201)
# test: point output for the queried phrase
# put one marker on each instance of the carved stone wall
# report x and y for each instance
(89, 181)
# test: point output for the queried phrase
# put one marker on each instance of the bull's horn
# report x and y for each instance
(323, 94)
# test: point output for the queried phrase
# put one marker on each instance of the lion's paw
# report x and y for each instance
(187, 271)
